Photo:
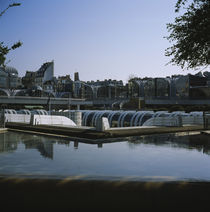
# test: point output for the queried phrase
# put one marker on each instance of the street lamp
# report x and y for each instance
(11, 5)
(208, 54)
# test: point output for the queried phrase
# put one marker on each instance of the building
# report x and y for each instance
(64, 84)
(28, 80)
(177, 86)
(76, 76)
(44, 74)
(111, 89)
(9, 78)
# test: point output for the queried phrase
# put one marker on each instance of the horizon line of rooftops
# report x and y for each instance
(43, 82)
(13, 72)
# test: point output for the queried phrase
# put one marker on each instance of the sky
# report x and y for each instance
(100, 39)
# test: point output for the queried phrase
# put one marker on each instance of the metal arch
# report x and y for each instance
(132, 118)
(14, 111)
(140, 84)
(115, 103)
(50, 92)
(123, 118)
(5, 91)
(84, 116)
(93, 118)
(10, 111)
(176, 113)
(99, 115)
(7, 111)
(157, 114)
(63, 93)
(139, 113)
(110, 115)
(87, 116)
(28, 112)
(44, 112)
(124, 113)
(123, 102)
(172, 114)
(84, 119)
(141, 118)
(39, 112)
(119, 119)
(116, 112)
(94, 88)
(83, 113)
(196, 113)
(15, 92)
(137, 121)
(137, 117)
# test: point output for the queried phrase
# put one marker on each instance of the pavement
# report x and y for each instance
(92, 133)
(3, 130)
(134, 131)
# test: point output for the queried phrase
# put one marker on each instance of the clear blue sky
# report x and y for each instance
(100, 39)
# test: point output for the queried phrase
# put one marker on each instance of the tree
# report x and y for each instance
(190, 34)
(4, 50)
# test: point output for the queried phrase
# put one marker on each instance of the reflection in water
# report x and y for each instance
(76, 144)
(9, 142)
(152, 156)
(44, 147)
(200, 142)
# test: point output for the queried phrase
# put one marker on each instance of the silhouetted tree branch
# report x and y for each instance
(190, 34)
(4, 50)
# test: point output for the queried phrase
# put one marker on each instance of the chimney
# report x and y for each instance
(76, 76)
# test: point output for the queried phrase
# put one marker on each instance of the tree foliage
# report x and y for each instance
(4, 50)
(190, 34)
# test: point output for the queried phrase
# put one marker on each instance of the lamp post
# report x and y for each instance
(49, 104)
(50, 107)
(11, 5)
(69, 104)
(208, 54)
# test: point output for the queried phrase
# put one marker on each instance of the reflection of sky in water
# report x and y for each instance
(168, 155)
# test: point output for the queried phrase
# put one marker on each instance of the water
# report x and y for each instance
(162, 157)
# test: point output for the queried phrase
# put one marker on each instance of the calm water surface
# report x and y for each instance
(149, 157)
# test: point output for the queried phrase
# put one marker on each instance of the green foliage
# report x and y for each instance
(189, 34)
(4, 50)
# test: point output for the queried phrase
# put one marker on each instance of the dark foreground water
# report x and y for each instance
(162, 157)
